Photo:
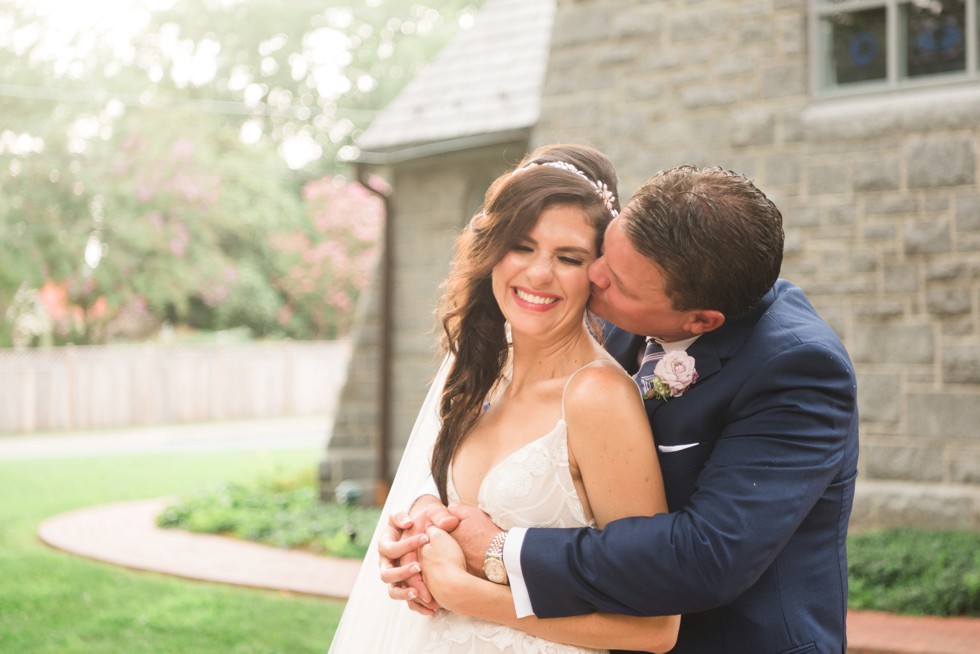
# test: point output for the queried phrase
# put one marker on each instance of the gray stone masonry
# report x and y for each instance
(880, 198)
(879, 192)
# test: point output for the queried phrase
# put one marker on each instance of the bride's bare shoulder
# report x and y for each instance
(603, 380)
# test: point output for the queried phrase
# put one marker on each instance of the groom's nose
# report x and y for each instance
(598, 274)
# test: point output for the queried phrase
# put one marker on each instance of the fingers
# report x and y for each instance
(399, 521)
(410, 595)
(405, 583)
(398, 549)
(405, 580)
(423, 609)
(437, 535)
(447, 522)
(400, 574)
(392, 550)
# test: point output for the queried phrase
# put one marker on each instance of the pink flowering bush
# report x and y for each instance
(330, 263)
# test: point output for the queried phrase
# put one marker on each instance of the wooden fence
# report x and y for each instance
(92, 387)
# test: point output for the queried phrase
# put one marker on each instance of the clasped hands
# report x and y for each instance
(423, 553)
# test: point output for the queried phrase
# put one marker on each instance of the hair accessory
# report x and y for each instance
(607, 197)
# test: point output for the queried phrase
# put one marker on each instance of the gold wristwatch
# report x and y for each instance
(493, 562)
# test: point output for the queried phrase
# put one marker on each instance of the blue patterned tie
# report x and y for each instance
(652, 355)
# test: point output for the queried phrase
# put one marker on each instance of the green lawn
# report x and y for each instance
(52, 602)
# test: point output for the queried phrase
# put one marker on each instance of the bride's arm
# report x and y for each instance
(611, 447)
(460, 592)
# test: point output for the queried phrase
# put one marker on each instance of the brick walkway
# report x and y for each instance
(126, 534)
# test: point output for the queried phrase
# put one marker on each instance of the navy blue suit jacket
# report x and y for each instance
(753, 550)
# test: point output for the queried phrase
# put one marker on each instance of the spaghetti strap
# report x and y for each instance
(608, 362)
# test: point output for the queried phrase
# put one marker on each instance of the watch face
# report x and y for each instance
(495, 571)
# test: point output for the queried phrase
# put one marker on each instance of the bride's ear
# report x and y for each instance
(703, 321)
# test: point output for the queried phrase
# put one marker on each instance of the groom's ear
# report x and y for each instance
(703, 321)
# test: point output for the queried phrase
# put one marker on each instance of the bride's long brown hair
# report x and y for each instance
(472, 323)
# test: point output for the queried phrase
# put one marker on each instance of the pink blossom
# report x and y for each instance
(180, 240)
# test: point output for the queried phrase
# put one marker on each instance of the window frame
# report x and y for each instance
(895, 50)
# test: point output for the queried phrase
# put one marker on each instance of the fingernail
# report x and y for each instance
(423, 539)
(416, 568)
(412, 595)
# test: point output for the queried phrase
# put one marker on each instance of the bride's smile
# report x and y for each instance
(542, 283)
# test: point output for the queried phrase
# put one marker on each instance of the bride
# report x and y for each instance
(528, 419)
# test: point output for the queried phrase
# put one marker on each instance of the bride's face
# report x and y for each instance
(542, 284)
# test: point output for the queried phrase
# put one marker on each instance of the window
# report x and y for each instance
(863, 45)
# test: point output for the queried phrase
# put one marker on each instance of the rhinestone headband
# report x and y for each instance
(607, 197)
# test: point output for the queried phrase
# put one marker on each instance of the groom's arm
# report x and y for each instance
(791, 439)
(474, 534)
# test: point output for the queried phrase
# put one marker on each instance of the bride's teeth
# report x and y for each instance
(534, 299)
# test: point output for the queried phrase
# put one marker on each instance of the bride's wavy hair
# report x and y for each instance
(474, 330)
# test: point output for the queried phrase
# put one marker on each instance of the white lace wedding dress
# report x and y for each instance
(530, 488)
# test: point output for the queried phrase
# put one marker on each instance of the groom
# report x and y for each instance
(759, 455)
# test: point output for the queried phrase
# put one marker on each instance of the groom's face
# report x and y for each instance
(628, 290)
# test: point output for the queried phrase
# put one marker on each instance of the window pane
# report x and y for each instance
(935, 33)
(857, 46)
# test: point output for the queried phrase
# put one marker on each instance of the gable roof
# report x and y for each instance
(485, 84)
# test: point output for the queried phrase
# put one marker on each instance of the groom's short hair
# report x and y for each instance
(717, 237)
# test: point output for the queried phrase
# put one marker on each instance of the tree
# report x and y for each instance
(331, 263)
(150, 163)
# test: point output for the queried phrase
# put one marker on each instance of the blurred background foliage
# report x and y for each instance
(179, 164)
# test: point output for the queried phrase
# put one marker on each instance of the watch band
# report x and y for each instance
(493, 561)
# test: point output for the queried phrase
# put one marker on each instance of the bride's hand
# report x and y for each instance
(443, 566)
(397, 552)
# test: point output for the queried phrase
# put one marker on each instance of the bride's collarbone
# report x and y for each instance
(498, 436)
(520, 419)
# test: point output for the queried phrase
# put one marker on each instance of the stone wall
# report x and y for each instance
(879, 194)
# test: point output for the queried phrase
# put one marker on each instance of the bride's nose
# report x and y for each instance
(541, 269)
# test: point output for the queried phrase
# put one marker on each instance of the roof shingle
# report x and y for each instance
(486, 79)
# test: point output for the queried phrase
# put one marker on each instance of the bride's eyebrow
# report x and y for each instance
(574, 249)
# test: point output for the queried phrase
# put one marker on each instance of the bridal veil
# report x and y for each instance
(372, 621)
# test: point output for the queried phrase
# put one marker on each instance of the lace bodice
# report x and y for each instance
(532, 487)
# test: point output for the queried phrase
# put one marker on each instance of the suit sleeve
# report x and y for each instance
(785, 436)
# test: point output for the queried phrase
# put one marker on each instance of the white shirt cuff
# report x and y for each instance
(515, 576)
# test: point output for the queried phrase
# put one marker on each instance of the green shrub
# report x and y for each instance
(282, 511)
(915, 572)
(899, 570)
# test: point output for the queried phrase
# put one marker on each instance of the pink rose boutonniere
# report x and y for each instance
(672, 376)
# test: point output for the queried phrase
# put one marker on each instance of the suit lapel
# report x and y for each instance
(709, 352)
(713, 348)
(624, 346)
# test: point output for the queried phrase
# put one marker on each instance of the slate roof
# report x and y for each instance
(486, 81)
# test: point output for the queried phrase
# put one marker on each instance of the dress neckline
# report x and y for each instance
(507, 457)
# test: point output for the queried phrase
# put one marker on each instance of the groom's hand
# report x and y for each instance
(398, 549)
(474, 533)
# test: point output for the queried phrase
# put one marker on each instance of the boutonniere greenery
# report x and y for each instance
(672, 376)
